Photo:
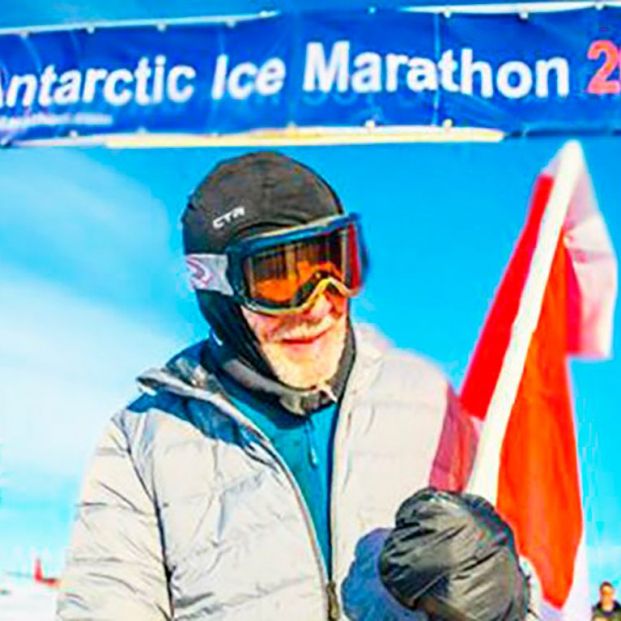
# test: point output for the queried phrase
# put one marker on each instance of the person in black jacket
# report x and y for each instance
(607, 607)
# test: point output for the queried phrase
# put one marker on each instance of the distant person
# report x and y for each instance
(258, 477)
(607, 607)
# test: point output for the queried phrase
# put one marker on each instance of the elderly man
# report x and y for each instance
(258, 476)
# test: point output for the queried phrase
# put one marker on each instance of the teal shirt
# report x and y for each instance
(305, 443)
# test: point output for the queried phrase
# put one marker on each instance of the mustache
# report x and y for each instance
(305, 330)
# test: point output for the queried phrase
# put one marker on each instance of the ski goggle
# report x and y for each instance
(286, 271)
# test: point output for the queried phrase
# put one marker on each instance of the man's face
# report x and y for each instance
(606, 595)
(304, 348)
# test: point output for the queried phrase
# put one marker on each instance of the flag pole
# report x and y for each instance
(484, 478)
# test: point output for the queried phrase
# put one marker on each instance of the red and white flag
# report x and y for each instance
(556, 298)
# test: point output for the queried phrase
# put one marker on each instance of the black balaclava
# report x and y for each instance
(275, 192)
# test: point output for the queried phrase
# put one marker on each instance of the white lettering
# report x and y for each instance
(518, 88)
(542, 72)
(176, 94)
(90, 83)
(29, 82)
(469, 68)
(246, 78)
(447, 66)
(243, 71)
(271, 77)
(320, 74)
(368, 75)
(142, 75)
(158, 79)
(69, 90)
(393, 63)
(111, 95)
(219, 79)
(422, 75)
(330, 68)
(48, 77)
(229, 216)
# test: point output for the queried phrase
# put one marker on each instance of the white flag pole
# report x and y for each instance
(484, 478)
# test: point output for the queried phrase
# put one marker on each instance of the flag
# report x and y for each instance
(556, 299)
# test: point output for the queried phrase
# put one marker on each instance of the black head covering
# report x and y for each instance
(256, 193)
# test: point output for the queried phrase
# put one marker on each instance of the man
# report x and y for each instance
(259, 475)
(607, 607)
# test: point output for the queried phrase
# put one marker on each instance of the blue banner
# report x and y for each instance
(521, 74)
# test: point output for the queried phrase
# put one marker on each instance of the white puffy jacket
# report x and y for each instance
(188, 513)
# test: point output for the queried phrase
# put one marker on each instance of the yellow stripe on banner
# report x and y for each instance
(311, 136)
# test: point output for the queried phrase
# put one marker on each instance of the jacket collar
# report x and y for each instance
(184, 374)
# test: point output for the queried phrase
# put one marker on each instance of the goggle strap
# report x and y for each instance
(208, 272)
(262, 241)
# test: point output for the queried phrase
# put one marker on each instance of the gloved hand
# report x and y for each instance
(452, 556)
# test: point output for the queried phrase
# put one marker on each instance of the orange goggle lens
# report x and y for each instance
(285, 277)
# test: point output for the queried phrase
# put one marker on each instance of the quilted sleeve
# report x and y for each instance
(115, 568)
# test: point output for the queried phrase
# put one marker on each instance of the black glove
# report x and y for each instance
(452, 556)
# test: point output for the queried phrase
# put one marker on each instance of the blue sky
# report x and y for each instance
(93, 291)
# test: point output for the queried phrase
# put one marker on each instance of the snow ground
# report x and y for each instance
(26, 601)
